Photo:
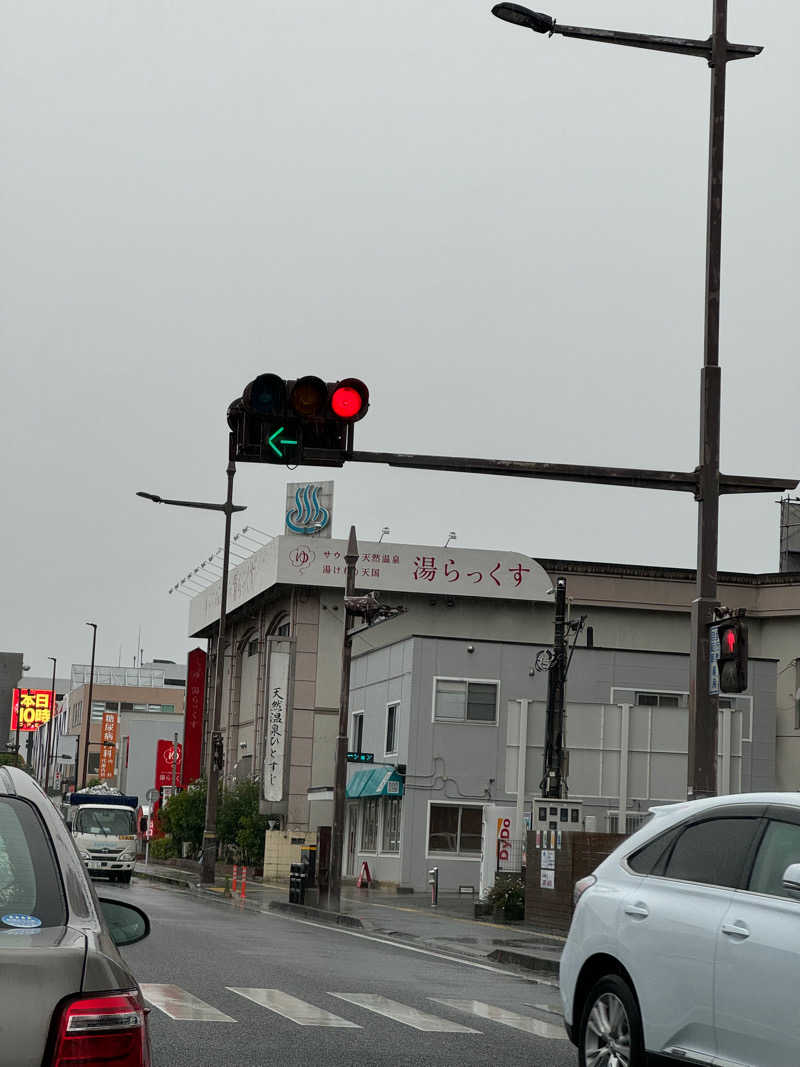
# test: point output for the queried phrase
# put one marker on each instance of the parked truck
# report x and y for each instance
(103, 824)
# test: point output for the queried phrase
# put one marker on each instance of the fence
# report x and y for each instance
(634, 820)
(511, 856)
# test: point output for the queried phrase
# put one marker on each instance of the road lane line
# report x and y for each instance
(298, 1011)
(502, 1015)
(178, 1004)
(402, 1013)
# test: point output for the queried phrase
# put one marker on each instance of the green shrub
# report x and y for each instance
(183, 816)
(240, 827)
(163, 848)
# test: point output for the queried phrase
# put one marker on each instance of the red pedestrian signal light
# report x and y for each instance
(300, 421)
(732, 656)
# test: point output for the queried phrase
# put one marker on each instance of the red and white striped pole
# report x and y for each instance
(233, 883)
(244, 883)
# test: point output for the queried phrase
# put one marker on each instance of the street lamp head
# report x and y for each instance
(523, 16)
(150, 496)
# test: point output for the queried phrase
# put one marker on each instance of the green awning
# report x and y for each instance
(376, 782)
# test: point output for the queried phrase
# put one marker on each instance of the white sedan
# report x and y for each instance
(685, 942)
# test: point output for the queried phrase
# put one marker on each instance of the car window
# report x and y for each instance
(105, 822)
(713, 852)
(779, 847)
(651, 858)
(30, 884)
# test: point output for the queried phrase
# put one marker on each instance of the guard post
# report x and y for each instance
(433, 882)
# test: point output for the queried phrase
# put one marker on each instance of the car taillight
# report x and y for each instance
(582, 886)
(102, 1030)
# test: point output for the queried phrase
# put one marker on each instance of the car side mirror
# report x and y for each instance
(791, 877)
(126, 923)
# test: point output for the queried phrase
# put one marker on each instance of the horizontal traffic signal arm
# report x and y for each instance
(678, 481)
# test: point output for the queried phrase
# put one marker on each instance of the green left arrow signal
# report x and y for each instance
(271, 441)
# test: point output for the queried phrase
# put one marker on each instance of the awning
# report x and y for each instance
(376, 782)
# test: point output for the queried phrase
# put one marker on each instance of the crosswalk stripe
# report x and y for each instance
(502, 1015)
(178, 1004)
(402, 1013)
(291, 1008)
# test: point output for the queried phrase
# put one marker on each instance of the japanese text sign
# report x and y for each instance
(32, 707)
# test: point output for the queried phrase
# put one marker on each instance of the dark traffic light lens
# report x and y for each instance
(309, 397)
(265, 395)
(350, 400)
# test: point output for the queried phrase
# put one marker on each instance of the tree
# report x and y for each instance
(240, 827)
(183, 816)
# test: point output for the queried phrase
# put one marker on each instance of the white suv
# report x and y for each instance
(685, 942)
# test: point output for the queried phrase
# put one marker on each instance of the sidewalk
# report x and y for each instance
(407, 919)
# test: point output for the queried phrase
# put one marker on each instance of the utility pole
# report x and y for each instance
(552, 784)
(50, 724)
(340, 773)
(214, 762)
(174, 761)
(87, 719)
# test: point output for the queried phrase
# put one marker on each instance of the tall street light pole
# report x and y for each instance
(50, 724)
(718, 52)
(87, 725)
(340, 773)
(213, 763)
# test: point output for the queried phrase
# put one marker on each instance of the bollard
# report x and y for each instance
(227, 892)
(233, 883)
(433, 882)
(244, 883)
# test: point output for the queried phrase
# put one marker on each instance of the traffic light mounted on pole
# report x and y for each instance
(300, 421)
(732, 655)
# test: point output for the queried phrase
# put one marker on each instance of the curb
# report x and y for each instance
(525, 959)
(335, 918)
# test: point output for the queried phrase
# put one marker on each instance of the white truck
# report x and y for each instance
(104, 827)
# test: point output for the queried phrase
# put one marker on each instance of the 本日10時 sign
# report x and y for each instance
(33, 707)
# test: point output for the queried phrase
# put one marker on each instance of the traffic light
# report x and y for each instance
(732, 656)
(300, 421)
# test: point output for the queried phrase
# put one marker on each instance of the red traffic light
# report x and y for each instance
(350, 400)
(729, 641)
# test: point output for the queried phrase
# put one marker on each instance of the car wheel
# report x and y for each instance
(610, 1032)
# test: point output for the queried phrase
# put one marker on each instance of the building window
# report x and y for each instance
(658, 700)
(252, 647)
(459, 700)
(280, 626)
(369, 825)
(358, 731)
(93, 766)
(455, 829)
(98, 707)
(391, 730)
(391, 824)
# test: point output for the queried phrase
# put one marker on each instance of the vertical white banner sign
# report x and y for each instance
(277, 712)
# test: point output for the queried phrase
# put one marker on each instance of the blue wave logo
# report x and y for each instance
(307, 516)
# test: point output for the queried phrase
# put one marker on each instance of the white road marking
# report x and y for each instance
(291, 1008)
(178, 1004)
(408, 948)
(401, 1013)
(507, 1018)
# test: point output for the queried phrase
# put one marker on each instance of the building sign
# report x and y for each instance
(713, 661)
(277, 710)
(309, 509)
(388, 568)
(193, 724)
(32, 706)
(108, 740)
(165, 760)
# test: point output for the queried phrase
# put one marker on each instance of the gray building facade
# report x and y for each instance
(447, 709)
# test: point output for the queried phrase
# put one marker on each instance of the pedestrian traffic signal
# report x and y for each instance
(732, 656)
(300, 421)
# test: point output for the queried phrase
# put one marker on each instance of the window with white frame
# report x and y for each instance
(658, 700)
(391, 824)
(369, 825)
(462, 700)
(357, 731)
(455, 828)
(391, 729)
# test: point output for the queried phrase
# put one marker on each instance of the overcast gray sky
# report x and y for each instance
(502, 234)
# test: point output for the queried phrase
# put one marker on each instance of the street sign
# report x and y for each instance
(360, 757)
(713, 662)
